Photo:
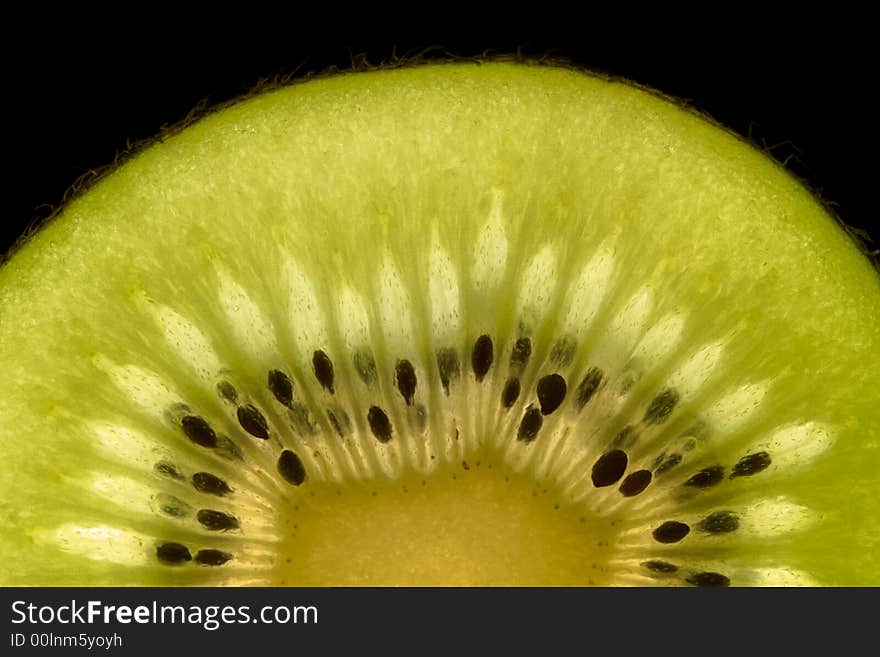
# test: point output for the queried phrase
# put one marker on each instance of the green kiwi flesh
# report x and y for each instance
(452, 324)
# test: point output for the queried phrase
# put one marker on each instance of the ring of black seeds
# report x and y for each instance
(216, 520)
(173, 553)
(482, 356)
(252, 421)
(530, 425)
(205, 482)
(708, 579)
(211, 557)
(551, 393)
(707, 477)
(671, 531)
(198, 431)
(751, 465)
(720, 522)
(291, 467)
(323, 368)
(281, 387)
(609, 468)
(551, 390)
(635, 483)
(405, 376)
(380, 425)
(510, 393)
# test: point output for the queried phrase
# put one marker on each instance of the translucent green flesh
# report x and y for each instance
(397, 214)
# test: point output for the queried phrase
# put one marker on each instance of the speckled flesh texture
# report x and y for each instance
(451, 324)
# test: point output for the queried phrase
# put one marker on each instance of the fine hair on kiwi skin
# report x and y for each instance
(362, 63)
(434, 55)
(533, 376)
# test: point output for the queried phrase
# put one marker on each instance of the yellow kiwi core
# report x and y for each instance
(468, 524)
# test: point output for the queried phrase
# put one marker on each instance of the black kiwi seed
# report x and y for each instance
(173, 553)
(380, 425)
(588, 387)
(227, 391)
(563, 351)
(406, 380)
(198, 431)
(609, 468)
(212, 557)
(708, 579)
(671, 531)
(661, 407)
(216, 520)
(751, 464)
(167, 469)
(530, 425)
(551, 392)
(519, 356)
(281, 387)
(205, 482)
(668, 463)
(720, 522)
(707, 477)
(635, 483)
(365, 366)
(510, 393)
(481, 357)
(291, 468)
(448, 366)
(323, 367)
(252, 421)
(660, 566)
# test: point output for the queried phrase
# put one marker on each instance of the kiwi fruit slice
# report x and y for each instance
(448, 324)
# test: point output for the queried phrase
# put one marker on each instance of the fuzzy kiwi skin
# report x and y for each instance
(764, 252)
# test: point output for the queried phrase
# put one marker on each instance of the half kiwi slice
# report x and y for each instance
(443, 325)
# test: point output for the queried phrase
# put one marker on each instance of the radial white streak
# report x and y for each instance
(538, 281)
(588, 291)
(444, 295)
(306, 318)
(395, 310)
(189, 343)
(252, 332)
(490, 248)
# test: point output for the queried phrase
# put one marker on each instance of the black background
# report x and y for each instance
(75, 103)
